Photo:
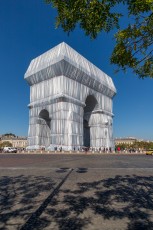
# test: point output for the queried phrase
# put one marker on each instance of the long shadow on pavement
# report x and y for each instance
(120, 199)
(125, 200)
(20, 196)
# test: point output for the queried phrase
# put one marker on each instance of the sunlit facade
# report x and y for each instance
(70, 102)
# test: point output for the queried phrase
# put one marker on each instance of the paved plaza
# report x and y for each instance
(80, 192)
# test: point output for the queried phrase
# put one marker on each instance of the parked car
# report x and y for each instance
(9, 150)
(149, 152)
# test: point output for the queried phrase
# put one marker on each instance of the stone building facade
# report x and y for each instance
(70, 101)
(15, 141)
(125, 140)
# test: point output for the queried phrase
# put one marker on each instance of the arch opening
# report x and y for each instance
(44, 128)
(86, 136)
(91, 105)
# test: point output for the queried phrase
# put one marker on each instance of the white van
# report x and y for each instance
(9, 150)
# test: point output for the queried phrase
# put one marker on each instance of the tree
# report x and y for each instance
(9, 134)
(5, 144)
(133, 47)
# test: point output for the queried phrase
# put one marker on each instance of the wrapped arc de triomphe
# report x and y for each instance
(70, 101)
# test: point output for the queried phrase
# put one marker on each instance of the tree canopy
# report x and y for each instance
(9, 134)
(5, 144)
(134, 43)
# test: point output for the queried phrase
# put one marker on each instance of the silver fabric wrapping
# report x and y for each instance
(61, 81)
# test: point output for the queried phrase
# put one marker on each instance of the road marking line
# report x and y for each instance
(35, 215)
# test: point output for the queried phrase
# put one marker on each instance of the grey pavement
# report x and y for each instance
(76, 192)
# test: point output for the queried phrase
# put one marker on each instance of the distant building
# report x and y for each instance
(126, 140)
(16, 141)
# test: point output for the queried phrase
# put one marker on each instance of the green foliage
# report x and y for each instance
(133, 47)
(93, 16)
(122, 146)
(9, 134)
(136, 145)
(5, 144)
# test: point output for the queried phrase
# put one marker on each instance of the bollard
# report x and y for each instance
(28, 151)
(48, 151)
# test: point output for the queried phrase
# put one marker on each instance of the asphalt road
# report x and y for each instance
(76, 192)
(76, 161)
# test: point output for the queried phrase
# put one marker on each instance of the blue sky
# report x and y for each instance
(27, 29)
